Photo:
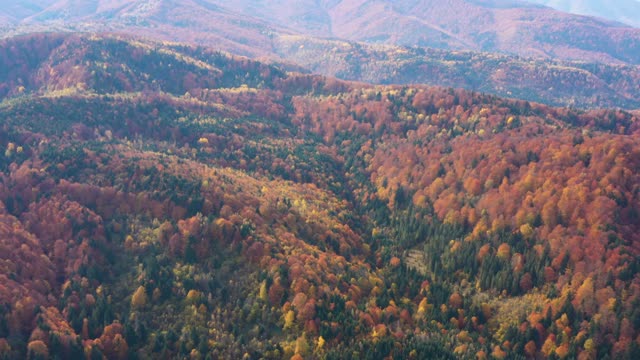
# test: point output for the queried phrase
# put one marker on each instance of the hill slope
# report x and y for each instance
(15, 11)
(192, 21)
(560, 83)
(279, 31)
(513, 27)
(173, 201)
(505, 26)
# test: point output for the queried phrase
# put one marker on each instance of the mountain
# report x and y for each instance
(161, 200)
(513, 27)
(15, 11)
(193, 21)
(624, 11)
(560, 83)
(386, 42)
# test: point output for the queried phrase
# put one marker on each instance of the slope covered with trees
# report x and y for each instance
(559, 83)
(506, 48)
(163, 201)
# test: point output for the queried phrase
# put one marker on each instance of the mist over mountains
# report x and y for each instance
(513, 27)
(624, 11)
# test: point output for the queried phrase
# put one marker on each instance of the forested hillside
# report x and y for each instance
(501, 26)
(559, 83)
(512, 49)
(167, 201)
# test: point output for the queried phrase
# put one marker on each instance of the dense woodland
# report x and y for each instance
(511, 49)
(585, 85)
(166, 201)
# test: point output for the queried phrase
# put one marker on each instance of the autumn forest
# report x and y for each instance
(161, 200)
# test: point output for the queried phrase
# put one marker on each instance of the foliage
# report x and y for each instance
(319, 219)
(554, 82)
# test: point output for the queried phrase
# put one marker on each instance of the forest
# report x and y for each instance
(159, 200)
(581, 84)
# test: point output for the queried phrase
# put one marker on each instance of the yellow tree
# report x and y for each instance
(139, 298)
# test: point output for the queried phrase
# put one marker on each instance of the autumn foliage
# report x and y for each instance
(280, 215)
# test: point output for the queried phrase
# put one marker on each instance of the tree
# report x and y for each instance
(262, 293)
(139, 298)
(504, 251)
(37, 349)
(289, 319)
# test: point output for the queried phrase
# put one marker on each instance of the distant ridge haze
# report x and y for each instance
(247, 27)
(550, 57)
(624, 11)
(507, 26)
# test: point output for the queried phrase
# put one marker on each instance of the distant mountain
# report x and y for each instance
(508, 26)
(275, 30)
(247, 26)
(624, 11)
(560, 83)
(194, 21)
(45, 64)
(12, 10)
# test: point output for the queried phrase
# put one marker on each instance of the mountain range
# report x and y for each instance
(514, 27)
(546, 55)
(505, 26)
(553, 82)
(189, 21)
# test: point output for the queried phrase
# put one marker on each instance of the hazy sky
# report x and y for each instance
(624, 11)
